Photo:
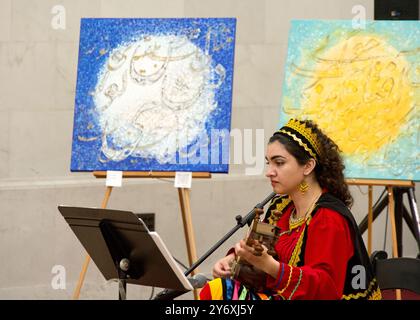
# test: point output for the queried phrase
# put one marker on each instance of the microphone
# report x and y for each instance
(197, 281)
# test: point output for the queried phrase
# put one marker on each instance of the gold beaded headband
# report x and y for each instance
(303, 135)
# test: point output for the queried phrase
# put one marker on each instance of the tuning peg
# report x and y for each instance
(258, 212)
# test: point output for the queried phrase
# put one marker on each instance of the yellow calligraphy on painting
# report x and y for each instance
(359, 92)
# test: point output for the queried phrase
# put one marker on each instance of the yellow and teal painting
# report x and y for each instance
(361, 86)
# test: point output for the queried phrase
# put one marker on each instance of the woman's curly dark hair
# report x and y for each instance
(329, 170)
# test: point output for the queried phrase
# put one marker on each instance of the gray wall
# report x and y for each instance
(38, 74)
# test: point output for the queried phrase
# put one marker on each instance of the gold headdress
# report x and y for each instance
(303, 135)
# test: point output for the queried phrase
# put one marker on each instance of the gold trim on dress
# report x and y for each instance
(275, 214)
(295, 258)
(288, 281)
(297, 284)
(375, 295)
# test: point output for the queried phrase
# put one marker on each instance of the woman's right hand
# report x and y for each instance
(222, 267)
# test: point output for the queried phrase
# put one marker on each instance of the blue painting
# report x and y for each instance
(154, 95)
(361, 86)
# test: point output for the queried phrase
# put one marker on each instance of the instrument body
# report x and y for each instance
(265, 234)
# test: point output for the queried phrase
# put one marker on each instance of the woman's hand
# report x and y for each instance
(262, 261)
(222, 267)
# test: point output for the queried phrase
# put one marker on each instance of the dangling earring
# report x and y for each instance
(303, 186)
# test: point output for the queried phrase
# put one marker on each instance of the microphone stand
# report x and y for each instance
(240, 222)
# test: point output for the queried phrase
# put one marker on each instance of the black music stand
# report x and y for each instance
(123, 248)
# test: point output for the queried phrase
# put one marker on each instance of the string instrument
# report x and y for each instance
(265, 234)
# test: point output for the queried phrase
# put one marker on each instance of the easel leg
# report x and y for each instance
(370, 219)
(391, 208)
(376, 211)
(398, 209)
(82, 275)
(184, 200)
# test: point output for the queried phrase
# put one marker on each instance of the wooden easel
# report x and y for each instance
(389, 184)
(184, 201)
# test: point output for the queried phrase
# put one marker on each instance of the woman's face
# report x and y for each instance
(284, 172)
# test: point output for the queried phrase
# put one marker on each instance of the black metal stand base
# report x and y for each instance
(401, 213)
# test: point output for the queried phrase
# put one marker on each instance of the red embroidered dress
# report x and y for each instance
(316, 257)
(329, 247)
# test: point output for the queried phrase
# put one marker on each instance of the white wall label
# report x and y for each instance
(114, 178)
(183, 179)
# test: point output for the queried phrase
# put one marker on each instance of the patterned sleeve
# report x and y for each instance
(329, 247)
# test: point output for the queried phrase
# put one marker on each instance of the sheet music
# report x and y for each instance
(171, 261)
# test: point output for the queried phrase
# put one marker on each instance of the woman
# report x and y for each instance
(320, 253)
